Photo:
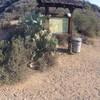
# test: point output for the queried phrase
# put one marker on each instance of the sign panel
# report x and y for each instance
(58, 25)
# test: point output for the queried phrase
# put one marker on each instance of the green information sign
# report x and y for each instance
(58, 25)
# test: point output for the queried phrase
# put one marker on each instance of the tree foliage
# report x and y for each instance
(87, 22)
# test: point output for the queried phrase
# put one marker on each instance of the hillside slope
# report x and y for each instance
(14, 9)
(19, 7)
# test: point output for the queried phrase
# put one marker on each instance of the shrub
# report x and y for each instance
(1, 52)
(15, 59)
(17, 52)
(44, 43)
(5, 49)
(86, 23)
(43, 39)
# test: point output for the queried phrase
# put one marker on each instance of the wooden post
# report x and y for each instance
(46, 11)
(47, 20)
(70, 33)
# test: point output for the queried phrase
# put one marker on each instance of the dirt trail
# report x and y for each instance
(75, 77)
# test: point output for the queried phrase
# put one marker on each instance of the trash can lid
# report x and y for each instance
(76, 39)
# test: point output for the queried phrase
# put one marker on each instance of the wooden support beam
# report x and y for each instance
(70, 28)
(46, 10)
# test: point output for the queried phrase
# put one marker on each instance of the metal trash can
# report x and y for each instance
(76, 44)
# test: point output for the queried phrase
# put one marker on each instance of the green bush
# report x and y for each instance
(18, 60)
(87, 23)
(1, 54)
(16, 53)
(4, 57)
(44, 42)
(14, 60)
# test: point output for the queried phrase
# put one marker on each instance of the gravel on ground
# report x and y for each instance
(74, 77)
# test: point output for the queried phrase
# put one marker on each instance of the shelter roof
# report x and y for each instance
(61, 3)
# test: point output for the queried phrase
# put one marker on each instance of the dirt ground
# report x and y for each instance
(74, 77)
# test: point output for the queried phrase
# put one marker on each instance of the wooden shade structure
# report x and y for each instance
(70, 4)
(61, 3)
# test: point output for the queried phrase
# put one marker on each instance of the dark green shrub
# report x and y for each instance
(5, 49)
(19, 58)
(1, 52)
(14, 61)
(86, 23)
